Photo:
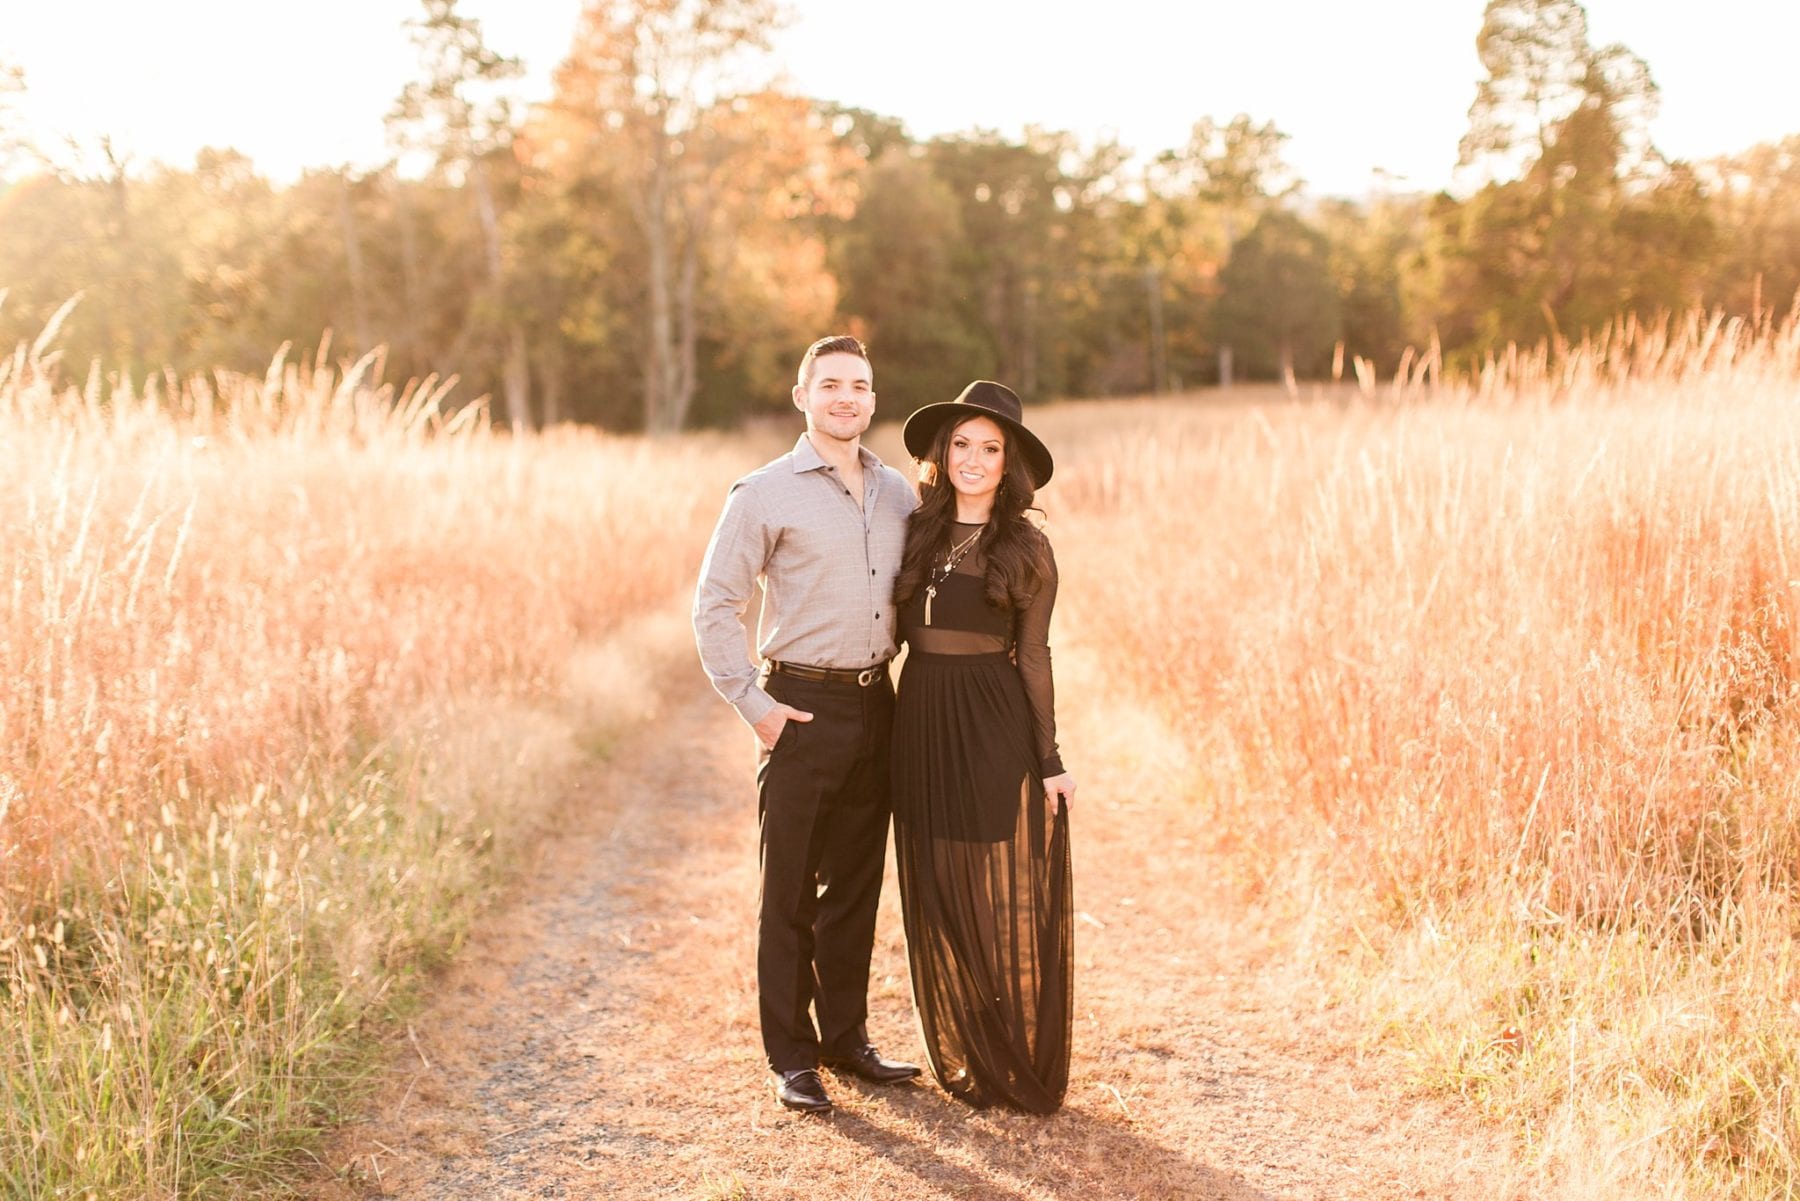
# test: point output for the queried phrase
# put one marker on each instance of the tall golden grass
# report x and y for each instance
(279, 665)
(1492, 693)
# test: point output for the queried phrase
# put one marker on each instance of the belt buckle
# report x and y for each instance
(868, 675)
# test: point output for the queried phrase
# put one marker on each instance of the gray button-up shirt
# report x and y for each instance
(826, 567)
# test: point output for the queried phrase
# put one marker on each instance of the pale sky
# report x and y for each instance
(1357, 86)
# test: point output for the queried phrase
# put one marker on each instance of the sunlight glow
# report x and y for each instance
(1367, 102)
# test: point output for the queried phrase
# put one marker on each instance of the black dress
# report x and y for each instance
(984, 870)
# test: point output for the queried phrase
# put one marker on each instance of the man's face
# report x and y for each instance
(839, 399)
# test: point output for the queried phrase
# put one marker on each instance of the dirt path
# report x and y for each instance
(597, 1038)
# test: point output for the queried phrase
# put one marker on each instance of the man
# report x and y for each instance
(821, 529)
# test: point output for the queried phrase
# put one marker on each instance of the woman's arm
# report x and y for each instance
(1031, 650)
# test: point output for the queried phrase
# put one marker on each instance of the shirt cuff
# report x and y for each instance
(1053, 766)
(754, 706)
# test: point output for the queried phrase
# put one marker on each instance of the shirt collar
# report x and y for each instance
(806, 456)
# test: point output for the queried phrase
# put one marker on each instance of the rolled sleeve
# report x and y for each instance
(735, 558)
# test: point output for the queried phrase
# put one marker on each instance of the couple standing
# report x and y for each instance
(851, 563)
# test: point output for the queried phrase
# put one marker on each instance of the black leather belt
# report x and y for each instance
(831, 675)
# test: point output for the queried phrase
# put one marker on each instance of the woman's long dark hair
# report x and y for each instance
(1012, 543)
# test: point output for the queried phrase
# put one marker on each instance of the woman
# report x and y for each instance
(981, 826)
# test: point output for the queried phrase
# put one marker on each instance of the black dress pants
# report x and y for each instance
(822, 807)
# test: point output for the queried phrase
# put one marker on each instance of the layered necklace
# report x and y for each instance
(958, 552)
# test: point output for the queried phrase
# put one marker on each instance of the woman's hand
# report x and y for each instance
(1059, 791)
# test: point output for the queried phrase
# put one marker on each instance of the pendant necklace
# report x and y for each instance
(955, 556)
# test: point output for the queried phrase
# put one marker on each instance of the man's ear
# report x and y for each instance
(800, 397)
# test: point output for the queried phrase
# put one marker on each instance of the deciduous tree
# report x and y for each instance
(459, 116)
(12, 141)
(1200, 198)
(1279, 306)
(896, 260)
(644, 84)
(1569, 231)
(1756, 198)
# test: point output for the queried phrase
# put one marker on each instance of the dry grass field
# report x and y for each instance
(1492, 701)
(1477, 702)
(282, 666)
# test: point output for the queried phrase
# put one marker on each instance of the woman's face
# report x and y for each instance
(977, 458)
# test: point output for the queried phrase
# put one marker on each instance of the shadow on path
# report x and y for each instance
(1132, 1165)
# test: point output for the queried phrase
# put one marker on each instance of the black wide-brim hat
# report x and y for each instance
(983, 398)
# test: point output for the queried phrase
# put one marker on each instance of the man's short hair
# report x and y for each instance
(835, 344)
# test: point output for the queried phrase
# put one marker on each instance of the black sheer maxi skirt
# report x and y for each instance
(984, 883)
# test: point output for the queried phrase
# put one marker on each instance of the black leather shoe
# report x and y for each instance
(867, 1063)
(802, 1090)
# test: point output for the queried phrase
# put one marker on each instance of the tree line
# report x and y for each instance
(649, 248)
